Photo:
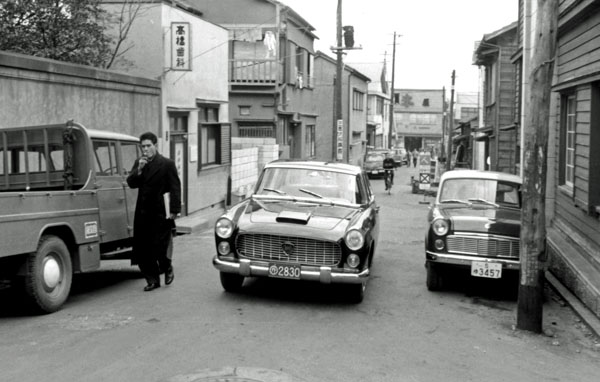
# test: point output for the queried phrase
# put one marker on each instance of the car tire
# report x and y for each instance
(49, 274)
(231, 282)
(434, 277)
(356, 292)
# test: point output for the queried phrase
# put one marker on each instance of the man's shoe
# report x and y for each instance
(151, 286)
(169, 276)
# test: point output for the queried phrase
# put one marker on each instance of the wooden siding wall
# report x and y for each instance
(578, 60)
(506, 108)
(577, 50)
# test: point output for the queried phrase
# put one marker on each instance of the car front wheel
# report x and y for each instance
(357, 292)
(434, 277)
(231, 282)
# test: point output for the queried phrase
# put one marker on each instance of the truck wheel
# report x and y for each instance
(231, 282)
(434, 277)
(49, 274)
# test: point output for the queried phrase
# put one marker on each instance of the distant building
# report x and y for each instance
(418, 118)
(353, 139)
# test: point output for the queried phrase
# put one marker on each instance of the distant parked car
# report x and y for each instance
(475, 223)
(400, 157)
(304, 221)
(373, 164)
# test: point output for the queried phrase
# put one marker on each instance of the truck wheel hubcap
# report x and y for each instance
(51, 272)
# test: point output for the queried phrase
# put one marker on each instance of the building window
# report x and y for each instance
(396, 98)
(426, 102)
(379, 106)
(358, 100)
(310, 141)
(178, 122)
(245, 110)
(567, 145)
(209, 128)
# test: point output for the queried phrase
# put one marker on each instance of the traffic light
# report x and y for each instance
(348, 36)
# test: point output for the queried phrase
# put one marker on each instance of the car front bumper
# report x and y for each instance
(324, 275)
(465, 260)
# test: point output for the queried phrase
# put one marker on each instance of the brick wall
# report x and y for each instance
(248, 157)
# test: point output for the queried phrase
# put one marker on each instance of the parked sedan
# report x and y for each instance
(304, 221)
(474, 224)
(373, 164)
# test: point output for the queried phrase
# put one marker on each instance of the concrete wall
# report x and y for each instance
(37, 91)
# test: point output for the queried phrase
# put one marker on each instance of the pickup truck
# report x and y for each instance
(64, 206)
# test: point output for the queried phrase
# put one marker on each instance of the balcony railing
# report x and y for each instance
(255, 71)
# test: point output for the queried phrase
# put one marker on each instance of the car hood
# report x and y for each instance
(295, 218)
(495, 221)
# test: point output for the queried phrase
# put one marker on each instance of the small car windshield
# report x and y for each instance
(482, 190)
(319, 184)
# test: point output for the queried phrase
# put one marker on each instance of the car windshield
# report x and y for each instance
(482, 191)
(310, 183)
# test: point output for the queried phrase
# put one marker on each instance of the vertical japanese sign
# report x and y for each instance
(340, 140)
(180, 46)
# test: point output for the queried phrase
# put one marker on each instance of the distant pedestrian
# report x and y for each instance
(415, 157)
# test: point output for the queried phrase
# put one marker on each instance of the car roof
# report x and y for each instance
(479, 174)
(315, 165)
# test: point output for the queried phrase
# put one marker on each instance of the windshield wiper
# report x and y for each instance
(274, 190)
(311, 193)
(480, 200)
(455, 201)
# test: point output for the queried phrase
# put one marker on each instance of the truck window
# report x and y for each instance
(106, 160)
(129, 153)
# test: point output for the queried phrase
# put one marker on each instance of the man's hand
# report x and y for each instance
(141, 163)
(173, 216)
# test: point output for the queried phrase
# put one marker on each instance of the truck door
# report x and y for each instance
(112, 202)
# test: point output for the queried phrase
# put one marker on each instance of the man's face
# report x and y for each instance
(148, 148)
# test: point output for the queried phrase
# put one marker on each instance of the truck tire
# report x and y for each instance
(49, 274)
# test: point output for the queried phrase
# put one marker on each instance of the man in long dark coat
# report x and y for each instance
(154, 176)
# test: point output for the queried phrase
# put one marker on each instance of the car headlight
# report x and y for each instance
(440, 227)
(224, 228)
(354, 240)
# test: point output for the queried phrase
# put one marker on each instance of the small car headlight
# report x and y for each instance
(224, 228)
(439, 244)
(223, 248)
(440, 227)
(353, 260)
(354, 240)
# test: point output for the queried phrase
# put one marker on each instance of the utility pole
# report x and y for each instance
(450, 125)
(338, 85)
(392, 129)
(535, 131)
(444, 121)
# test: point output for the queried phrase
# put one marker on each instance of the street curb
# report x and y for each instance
(590, 319)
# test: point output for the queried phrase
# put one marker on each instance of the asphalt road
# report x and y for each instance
(278, 330)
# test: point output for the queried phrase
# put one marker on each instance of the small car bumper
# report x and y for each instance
(465, 260)
(324, 275)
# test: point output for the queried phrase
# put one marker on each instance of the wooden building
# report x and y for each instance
(499, 130)
(573, 235)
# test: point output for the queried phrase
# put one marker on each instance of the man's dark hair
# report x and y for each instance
(150, 136)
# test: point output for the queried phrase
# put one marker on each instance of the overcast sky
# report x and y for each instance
(437, 36)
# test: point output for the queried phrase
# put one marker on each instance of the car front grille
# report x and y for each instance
(489, 246)
(299, 250)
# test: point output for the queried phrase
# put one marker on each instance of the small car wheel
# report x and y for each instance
(231, 282)
(357, 292)
(434, 277)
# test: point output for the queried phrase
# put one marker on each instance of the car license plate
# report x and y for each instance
(485, 269)
(285, 271)
(375, 172)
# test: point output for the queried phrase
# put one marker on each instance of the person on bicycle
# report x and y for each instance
(388, 166)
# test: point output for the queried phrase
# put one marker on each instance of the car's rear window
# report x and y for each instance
(374, 158)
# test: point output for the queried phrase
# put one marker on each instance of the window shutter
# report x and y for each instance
(225, 144)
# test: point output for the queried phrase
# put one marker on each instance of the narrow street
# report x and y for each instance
(110, 330)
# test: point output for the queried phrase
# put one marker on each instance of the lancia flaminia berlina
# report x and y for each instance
(475, 223)
(303, 221)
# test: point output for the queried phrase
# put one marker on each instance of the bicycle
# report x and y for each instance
(387, 178)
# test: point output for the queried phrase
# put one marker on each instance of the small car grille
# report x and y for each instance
(484, 246)
(299, 250)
